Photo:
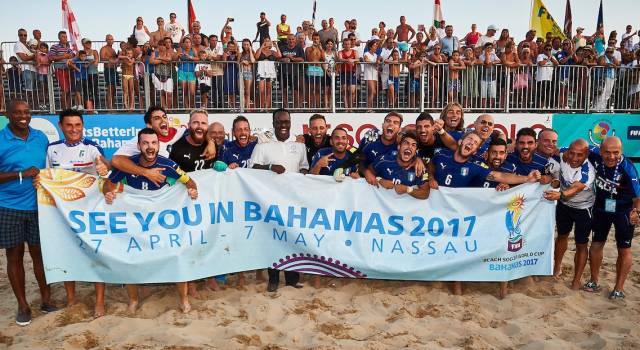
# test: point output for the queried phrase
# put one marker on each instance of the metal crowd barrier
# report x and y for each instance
(319, 86)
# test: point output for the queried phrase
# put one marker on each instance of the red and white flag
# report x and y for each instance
(437, 14)
(191, 15)
(69, 23)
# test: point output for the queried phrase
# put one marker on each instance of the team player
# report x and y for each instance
(74, 152)
(617, 203)
(237, 154)
(525, 159)
(495, 158)
(575, 199)
(396, 170)
(148, 157)
(188, 151)
(377, 143)
(328, 160)
(317, 137)
(548, 148)
(431, 136)
(156, 119)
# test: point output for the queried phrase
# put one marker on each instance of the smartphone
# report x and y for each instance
(230, 19)
(421, 28)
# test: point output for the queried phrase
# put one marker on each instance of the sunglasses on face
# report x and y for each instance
(486, 122)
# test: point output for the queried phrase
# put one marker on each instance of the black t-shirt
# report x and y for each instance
(311, 146)
(188, 156)
(263, 30)
(295, 52)
(426, 152)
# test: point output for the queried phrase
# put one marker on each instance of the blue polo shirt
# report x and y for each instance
(17, 154)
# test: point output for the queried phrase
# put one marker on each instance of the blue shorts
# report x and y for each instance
(567, 217)
(186, 76)
(348, 78)
(602, 222)
(415, 85)
(395, 81)
(454, 85)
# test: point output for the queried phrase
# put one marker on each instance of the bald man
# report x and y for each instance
(617, 204)
(575, 199)
(216, 133)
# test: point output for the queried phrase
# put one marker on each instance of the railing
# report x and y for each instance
(319, 86)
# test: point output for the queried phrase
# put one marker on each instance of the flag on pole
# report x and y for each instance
(437, 14)
(313, 17)
(69, 23)
(600, 17)
(568, 22)
(542, 21)
(191, 15)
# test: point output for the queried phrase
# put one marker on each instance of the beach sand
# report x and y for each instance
(343, 314)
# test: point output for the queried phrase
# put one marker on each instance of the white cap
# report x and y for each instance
(492, 27)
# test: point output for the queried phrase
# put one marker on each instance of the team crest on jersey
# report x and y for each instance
(411, 176)
(513, 219)
(464, 171)
(372, 135)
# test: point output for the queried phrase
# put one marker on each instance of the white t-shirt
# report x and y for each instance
(544, 72)
(585, 174)
(19, 47)
(130, 148)
(204, 79)
(176, 31)
(78, 157)
(290, 154)
(385, 54)
(629, 43)
(485, 39)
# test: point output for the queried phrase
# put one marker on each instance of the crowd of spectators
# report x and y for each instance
(395, 67)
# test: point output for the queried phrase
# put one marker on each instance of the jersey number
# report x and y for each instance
(199, 164)
(447, 180)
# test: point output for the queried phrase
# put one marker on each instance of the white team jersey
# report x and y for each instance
(130, 148)
(79, 156)
(585, 174)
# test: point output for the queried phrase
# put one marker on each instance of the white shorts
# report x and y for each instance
(488, 89)
(160, 86)
(384, 77)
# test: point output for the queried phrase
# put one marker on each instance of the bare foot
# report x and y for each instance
(212, 284)
(98, 311)
(133, 307)
(193, 291)
(241, 281)
(144, 292)
(71, 301)
(317, 284)
(457, 288)
(185, 306)
(576, 285)
(504, 289)
(557, 274)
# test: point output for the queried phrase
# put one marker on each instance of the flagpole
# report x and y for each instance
(531, 15)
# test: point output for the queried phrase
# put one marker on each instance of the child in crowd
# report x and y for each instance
(14, 78)
(42, 66)
(204, 73)
(455, 66)
(127, 64)
(80, 81)
(394, 64)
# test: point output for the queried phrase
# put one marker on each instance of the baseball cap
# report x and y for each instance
(85, 40)
(580, 28)
(32, 42)
(492, 27)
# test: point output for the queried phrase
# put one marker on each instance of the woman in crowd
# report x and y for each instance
(186, 76)
(266, 56)
(230, 82)
(247, 60)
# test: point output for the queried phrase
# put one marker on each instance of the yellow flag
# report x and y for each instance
(542, 21)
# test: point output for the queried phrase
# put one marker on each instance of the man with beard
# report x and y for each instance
(156, 119)
(575, 200)
(617, 189)
(453, 116)
(281, 155)
(496, 158)
(525, 159)
(397, 171)
(317, 137)
(431, 136)
(148, 157)
(237, 154)
(328, 160)
(377, 143)
(22, 153)
(188, 151)
(457, 169)
(547, 148)
(76, 153)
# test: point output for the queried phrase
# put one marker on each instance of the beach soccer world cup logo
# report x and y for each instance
(513, 219)
(600, 131)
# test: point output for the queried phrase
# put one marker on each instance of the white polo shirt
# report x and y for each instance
(290, 154)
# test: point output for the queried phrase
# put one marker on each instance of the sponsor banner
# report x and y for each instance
(110, 130)
(248, 219)
(596, 127)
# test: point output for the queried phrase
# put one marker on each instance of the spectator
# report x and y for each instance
(579, 40)
(556, 45)
(529, 42)
(441, 30)
(548, 38)
(371, 60)
(175, 30)
(266, 72)
(283, 30)
(509, 58)
(634, 89)
(502, 41)
(196, 40)
(456, 65)
(385, 54)
(203, 74)
(470, 77)
(14, 79)
(347, 29)
(247, 61)
(606, 84)
(110, 59)
(544, 77)
(80, 83)
(141, 32)
(417, 61)
(382, 31)
(215, 53)
(262, 28)
(449, 42)
(565, 57)
(93, 58)
(195, 28)
(186, 76)
(488, 38)
(59, 54)
(158, 36)
(127, 65)
(347, 58)
(393, 64)
(627, 38)
(292, 54)
(598, 40)
(315, 73)
(37, 36)
(432, 39)
(327, 33)
(329, 70)
(27, 58)
(42, 67)
(471, 39)
(230, 83)
(402, 35)
(161, 78)
(488, 82)
(332, 27)
(435, 72)
(226, 33)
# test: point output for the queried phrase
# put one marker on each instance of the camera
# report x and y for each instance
(230, 19)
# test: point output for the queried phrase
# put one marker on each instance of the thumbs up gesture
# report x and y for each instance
(102, 168)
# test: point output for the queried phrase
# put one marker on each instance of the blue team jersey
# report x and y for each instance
(387, 167)
(372, 147)
(505, 167)
(333, 165)
(233, 153)
(171, 171)
(538, 162)
(620, 182)
(450, 173)
(456, 134)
